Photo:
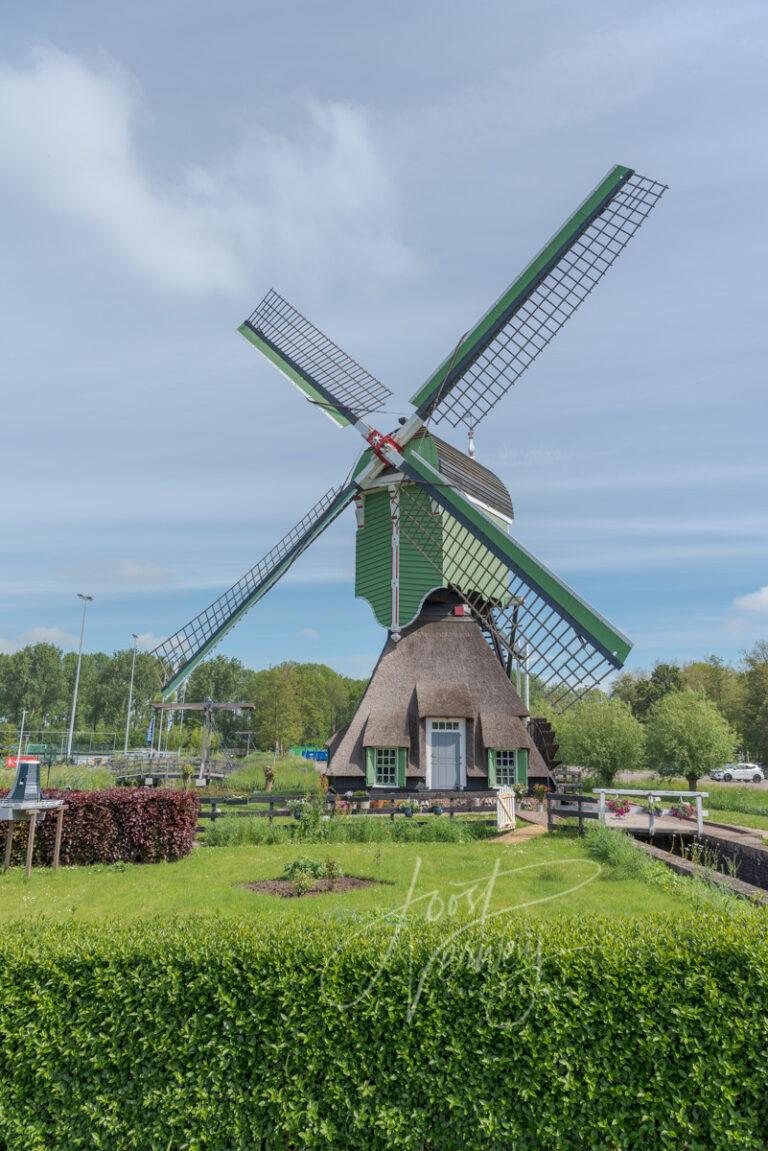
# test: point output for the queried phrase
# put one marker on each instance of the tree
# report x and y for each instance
(641, 691)
(722, 684)
(688, 736)
(601, 734)
(755, 726)
(278, 714)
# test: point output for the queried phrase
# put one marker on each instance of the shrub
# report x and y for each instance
(618, 851)
(217, 1035)
(233, 830)
(134, 825)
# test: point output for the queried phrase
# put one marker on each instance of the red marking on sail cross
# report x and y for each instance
(379, 442)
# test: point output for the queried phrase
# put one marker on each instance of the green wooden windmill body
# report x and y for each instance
(437, 561)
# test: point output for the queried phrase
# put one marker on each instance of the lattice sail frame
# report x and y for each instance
(470, 390)
(183, 650)
(330, 378)
(562, 656)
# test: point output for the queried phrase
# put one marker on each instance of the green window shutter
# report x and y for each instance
(491, 768)
(401, 754)
(370, 766)
(521, 759)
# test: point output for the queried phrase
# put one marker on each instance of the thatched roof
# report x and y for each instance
(387, 728)
(442, 667)
(448, 698)
(502, 729)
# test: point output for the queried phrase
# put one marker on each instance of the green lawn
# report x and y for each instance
(738, 818)
(549, 876)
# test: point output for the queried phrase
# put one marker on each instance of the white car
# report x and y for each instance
(747, 772)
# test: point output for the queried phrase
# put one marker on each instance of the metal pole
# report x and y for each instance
(21, 737)
(526, 682)
(130, 693)
(86, 600)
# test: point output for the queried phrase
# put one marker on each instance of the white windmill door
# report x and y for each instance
(446, 754)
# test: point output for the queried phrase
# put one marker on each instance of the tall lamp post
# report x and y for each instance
(130, 693)
(86, 600)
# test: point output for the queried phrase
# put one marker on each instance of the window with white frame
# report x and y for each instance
(385, 764)
(446, 725)
(506, 767)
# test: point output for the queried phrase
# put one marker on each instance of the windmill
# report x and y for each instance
(433, 524)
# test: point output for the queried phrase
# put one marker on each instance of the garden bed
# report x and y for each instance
(284, 888)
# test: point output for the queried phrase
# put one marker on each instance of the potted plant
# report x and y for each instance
(540, 791)
(436, 809)
(618, 805)
(406, 807)
(653, 806)
(682, 810)
(362, 800)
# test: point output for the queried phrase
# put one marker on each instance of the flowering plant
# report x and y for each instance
(682, 810)
(618, 805)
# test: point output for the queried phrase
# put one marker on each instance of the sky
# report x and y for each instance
(389, 168)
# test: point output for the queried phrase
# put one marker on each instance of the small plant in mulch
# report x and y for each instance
(305, 876)
(618, 806)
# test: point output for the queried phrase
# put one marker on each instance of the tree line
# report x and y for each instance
(675, 720)
(293, 702)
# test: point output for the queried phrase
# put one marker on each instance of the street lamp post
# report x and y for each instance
(130, 692)
(86, 600)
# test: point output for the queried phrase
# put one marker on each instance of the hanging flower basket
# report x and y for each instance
(618, 806)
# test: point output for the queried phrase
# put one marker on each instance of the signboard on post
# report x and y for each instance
(13, 761)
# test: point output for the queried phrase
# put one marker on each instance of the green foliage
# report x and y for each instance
(641, 691)
(294, 702)
(618, 851)
(602, 735)
(231, 830)
(755, 707)
(202, 1034)
(291, 774)
(303, 864)
(688, 736)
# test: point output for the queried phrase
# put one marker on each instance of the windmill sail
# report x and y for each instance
(184, 650)
(492, 356)
(326, 375)
(571, 648)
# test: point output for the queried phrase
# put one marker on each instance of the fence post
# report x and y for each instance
(579, 804)
(601, 808)
(550, 819)
(271, 810)
(699, 817)
(651, 816)
(450, 807)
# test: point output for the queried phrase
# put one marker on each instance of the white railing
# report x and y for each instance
(655, 796)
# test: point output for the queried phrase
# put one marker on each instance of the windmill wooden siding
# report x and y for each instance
(373, 556)
(438, 558)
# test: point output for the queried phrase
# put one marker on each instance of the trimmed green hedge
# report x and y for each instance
(192, 1035)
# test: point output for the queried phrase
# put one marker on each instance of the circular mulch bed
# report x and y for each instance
(284, 889)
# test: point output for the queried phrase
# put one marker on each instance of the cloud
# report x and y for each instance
(756, 601)
(147, 640)
(308, 633)
(317, 199)
(55, 635)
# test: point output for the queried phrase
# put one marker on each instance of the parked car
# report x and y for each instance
(747, 772)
